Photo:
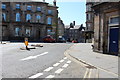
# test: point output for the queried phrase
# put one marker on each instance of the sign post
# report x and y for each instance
(26, 43)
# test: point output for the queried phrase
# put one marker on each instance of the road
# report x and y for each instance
(43, 62)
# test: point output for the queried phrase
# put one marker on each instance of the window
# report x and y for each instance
(88, 7)
(114, 20)
(49, 11)
(17, 6)
(38, 8)
(3, 6)
(28, 32)
(38, 17)
(48, 31)
(17, 16)
(3, 16)
(29, 7)
(28, 17)
(88, 16)
(17, 31)
(49, 20)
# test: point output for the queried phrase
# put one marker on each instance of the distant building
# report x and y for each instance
(74, 33)
(89, 21)
(61, 28)
(34, 20)
(107, 27)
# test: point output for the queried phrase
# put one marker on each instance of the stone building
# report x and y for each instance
(89, 21)
(74, 33)
(107, 27)
(34, 20)
(61, 28)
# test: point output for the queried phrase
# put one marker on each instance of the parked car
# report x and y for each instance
(49, 39)
(61, 40)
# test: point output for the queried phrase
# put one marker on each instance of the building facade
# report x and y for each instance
(107, 27)
(61, 28)
(74, 33)
(89, 21)
(28, 19)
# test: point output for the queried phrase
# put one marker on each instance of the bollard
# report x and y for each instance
(26, 43)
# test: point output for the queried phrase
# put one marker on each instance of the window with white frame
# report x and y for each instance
(114, 20)
(49, 11)
(38, 17)
(17, 16)
(29, 7)
(17, 6)
(49, 20)
(3, 16)
(28, 17)
(27, 31)
(3, 6)
(38, 8)
(17, 31)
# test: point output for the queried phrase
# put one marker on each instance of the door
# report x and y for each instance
(114, 38)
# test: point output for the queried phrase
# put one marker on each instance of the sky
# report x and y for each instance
(72, 11)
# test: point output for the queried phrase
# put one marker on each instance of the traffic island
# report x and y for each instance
(29, 47)
(37, 45)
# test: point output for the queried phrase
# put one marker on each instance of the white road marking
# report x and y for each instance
(43, 53)
(48, 69)
(65, 65)
(68, 62)
(61, 61)
(59, 71)
(30, 57)
(36, 75)
(56, 64)
(85, 76)
(33, 57)
(65, 58)
(50, 76)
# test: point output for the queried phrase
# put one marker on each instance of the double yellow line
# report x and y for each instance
(88, 74)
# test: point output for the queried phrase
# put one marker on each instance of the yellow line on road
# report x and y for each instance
(85, 76)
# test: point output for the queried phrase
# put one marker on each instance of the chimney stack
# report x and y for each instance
(54, 2)
(74, 23)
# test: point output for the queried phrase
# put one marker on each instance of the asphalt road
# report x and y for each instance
(43, 62)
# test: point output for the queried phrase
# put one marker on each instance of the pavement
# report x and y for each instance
(83, 54)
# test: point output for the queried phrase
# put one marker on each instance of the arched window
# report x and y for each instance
(28, 17)
(3, 16)
(49, 20)
(17, 16)
(38, 17)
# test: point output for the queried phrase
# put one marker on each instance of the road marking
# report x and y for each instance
(59, 71)
(85, 74)
(36, 75)
(65, 65)
(56, 64)
(43, 53)
(27, 58)
(33, 57)
(50, 76)
(61, 61)
(89, 76)
(68, 62)
(48, 69)
(65, 58)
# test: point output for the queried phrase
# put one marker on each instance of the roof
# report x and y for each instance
(75, 27)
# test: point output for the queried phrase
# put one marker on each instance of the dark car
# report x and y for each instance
(61, 40)
(48, 39)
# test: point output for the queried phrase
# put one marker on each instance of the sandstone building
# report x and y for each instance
(34, 20)
(107, 27)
